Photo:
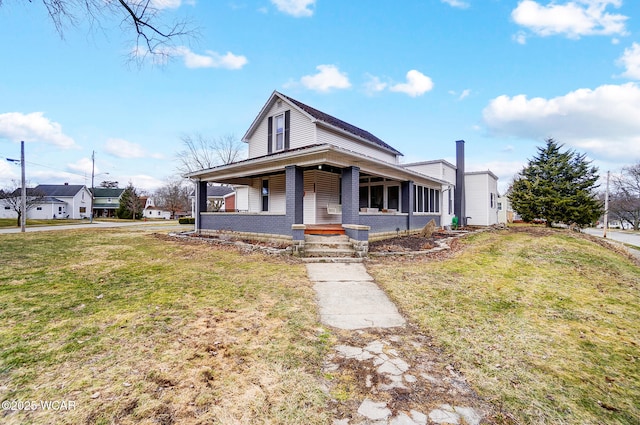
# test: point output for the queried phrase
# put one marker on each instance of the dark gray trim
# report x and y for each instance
(201, 202)
(460, 209)
(270, 135)
(350, 195)
(275, 224)
(287, 125)
(294, 180)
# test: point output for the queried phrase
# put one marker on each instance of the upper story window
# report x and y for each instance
(279, 132)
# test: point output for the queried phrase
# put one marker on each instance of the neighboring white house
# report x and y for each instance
(505, 212)
(58, 201)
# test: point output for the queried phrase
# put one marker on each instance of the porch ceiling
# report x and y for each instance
(313, 156)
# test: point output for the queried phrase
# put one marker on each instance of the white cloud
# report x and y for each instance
(329, 77)
(33, 127)
(574, 18)
(166, 4)
(417, 84)
(457, 3)
(83, 165)
(373, 85)
(465, 93)
(121, 148)
(145, 182)
(631, 61)
(603, 121)
(296, 8)
(210, 59)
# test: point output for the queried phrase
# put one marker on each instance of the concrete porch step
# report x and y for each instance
(332, 260)
(328, 252)
(325, 246)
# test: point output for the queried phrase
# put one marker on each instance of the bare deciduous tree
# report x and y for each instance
(624, 203)
(174, 197)
(144, 18)
(12, 198)
(201, 153)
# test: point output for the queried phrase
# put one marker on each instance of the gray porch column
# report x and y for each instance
(407, 194)
(351, 195)
(294, 193)
(201, 202)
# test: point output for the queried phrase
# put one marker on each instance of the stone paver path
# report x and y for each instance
(382, 371)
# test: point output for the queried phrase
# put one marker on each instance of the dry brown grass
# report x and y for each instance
(544, 323)
(136, 329)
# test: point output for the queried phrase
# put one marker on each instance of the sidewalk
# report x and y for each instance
(349, 299)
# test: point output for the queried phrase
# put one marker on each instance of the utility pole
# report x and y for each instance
(93, 169)
(606, 207)
(23, 201)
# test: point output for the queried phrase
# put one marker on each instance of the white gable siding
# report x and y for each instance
(301, 130)
(437, 169)
(339, 140)
(479, 188)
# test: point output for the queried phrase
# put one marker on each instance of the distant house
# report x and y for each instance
(106, 201)
(308, 170)
(505, 211)
(219, 199)
(58, 201)
(150, 211)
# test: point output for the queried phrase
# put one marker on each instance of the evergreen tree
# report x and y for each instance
(129, 204)
(558, 187)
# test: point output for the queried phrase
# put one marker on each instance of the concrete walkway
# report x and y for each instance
(349, 298)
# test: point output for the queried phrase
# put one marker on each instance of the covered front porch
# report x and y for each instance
(321, 189)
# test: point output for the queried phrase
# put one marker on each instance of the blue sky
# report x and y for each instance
(420, 74)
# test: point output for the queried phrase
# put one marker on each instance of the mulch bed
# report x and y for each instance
(408, 243)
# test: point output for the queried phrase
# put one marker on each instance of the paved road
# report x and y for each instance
(146, 225)
(628, 237)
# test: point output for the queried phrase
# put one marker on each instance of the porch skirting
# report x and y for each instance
(276, 224)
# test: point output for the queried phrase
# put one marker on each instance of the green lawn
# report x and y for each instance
(132, 328)
(543, 323)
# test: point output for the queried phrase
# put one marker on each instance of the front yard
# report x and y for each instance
(136, 328)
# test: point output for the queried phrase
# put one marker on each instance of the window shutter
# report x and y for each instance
(270, 135)
(287, 123)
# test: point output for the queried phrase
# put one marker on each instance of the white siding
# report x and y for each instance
(301, 130)
(437, 169)
(277, 194)
(255, 197)
(479, 188)
(339, 140)
(327, 192)
(242, 198)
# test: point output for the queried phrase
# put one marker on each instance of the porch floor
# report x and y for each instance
(324, 229)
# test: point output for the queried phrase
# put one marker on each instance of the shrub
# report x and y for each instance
(187, 220)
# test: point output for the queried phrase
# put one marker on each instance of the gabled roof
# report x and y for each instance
(321, 118)
(218, 191)
(107, 192)
(59, 189)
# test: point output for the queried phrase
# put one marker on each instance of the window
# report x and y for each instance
(377, 197)
(7, 208)
(60, 209)
(279, 132)
(265, 195)
(393, 197)
(492, 200)
(427, 200)
(39, 208)
(364, 196)
(499, 206)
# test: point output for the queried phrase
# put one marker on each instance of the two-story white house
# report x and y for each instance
(56, 201)
(308, 171)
